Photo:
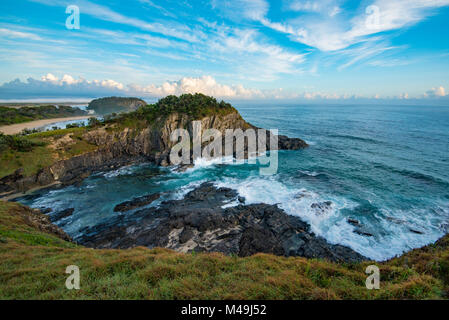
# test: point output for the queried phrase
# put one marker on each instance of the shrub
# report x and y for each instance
(17, 143)
(94, 122)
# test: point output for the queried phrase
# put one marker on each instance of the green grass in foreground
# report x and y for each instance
(32, 266)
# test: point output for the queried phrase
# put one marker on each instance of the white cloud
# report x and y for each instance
(205, 84)
(104, 13)
(383, 15)
(327, 7)
(50, 87)
(67, 86)
(330, 32)
(255, 58)
(437, 92)
(18, 34)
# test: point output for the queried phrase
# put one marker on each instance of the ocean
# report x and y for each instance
(385, 166)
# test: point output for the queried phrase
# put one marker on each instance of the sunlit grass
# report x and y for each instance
(32, 266)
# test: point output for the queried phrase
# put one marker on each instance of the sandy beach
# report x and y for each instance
(17, 128)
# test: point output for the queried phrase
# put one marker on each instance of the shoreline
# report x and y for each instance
(17, 128)
(14, 195)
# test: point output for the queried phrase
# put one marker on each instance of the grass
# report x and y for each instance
(30, 162)
(32, 266)
(42, 153)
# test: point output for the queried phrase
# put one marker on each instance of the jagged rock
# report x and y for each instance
(322, 207)
(199, 223)
(36, 219)
(61, 214)
(416, 231)
(354, 222)
(46, 210)
(136, 203)
(363, 232)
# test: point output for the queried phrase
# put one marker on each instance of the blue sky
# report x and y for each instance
(242, 49)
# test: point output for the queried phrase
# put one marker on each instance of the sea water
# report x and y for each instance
(385, 166)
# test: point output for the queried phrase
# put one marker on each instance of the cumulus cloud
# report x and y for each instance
(51, 86)
(205, 84)
(437, 92)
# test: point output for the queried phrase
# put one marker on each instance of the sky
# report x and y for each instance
(295, 50)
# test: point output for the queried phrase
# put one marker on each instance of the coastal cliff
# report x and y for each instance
(132, 138)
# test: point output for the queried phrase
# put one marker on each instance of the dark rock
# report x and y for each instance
(241, 199)
(186, 234)
(415, 231)
(256, 239)
(354, 222)
(61, 214)
(42, 222)
(199, 223)
(322, 207)
(363, 232)
(136, 203)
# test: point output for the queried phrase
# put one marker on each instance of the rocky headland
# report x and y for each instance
(140, 136)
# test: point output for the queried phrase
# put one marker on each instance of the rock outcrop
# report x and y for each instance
(136, 203)
(200, 223)
(36, 219)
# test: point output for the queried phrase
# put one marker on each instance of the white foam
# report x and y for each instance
(389, 239)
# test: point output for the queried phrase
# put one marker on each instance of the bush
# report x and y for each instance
(196, 106)
(94, 122)
(17, 143)
(74, 125)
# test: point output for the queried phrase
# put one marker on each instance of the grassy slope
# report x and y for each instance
(43, 156)
(32, 266)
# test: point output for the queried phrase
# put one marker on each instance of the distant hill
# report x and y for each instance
(25, 114)
(115, 104)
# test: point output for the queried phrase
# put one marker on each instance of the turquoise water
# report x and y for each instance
(386, 166)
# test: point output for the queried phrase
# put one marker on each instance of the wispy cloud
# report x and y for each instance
(104, 13)
(331, 32)
(18, 34)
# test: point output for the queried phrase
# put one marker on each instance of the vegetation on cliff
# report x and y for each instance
(33, 263)
(195, 106)
(25, 114)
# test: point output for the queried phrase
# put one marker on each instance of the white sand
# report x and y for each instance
(17, 128)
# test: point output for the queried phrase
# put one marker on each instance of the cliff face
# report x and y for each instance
(117, 147)
(115, 104)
